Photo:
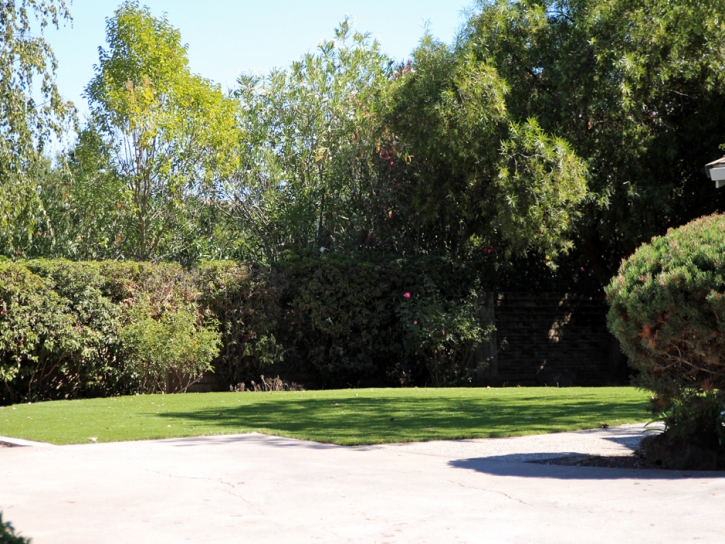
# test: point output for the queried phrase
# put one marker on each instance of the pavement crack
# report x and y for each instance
(491, 491)
(216, 480)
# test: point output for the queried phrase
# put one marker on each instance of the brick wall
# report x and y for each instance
(550, 339)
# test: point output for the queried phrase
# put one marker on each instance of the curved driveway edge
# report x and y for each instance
(15, 442)
(257, 488)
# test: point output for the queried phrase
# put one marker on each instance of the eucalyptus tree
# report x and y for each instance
(635, 86)
(170, 133)
(32, 112)
(309, 177)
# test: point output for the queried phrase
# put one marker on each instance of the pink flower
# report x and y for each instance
(391, 163)
(415, 322)
(406, 295)
(582, 269)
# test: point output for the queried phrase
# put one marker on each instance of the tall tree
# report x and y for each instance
(477, 177)
(310, 177)
(635, 86)
(31, 113)
(170, 132)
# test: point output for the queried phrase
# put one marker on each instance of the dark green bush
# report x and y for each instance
(82, 329)
(352, 324)
(45, 347)
(668, 312)
(339, 323)
(246, 302)
(8, 534)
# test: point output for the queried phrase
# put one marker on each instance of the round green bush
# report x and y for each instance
(667, 309)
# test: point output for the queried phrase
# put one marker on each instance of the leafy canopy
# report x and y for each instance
(169, 132)
(31, 113)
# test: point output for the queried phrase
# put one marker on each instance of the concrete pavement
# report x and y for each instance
(257, 488)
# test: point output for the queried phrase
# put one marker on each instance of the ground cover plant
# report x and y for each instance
(346, 417)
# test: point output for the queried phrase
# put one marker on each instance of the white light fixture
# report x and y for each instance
(716, 172)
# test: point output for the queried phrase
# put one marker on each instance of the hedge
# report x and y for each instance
(83, 329)
(72, 330)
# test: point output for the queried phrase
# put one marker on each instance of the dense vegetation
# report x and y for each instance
(542, 146)
(667, 308)
(82, 329)
(8, 534)
(93, 329)
(370, 198)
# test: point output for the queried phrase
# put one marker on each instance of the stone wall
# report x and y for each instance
(550, 339)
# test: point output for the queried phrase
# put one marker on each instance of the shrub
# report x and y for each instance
(82, 329)
(339, 321)
(352, 324)
(72, 330)
(668, 312)
(167, 345)
(168, 340)
(52, 346)
(8, 534)
(246, 302)
(443, 334)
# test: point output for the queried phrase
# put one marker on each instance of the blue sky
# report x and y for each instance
(227, 37)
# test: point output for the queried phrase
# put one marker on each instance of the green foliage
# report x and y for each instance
(167, 342)
(93, 329)
(309, 176)
(443, 334)
(79, 329)
(39, 339)
(475, 176)
(8, 534)
(83, 197)
(30, 114)
(667, 309)
(163, 135)
(352, 324)
(246, 302)
(634, 87)
(341, 321)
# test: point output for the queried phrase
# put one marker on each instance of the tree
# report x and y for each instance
(477, 178)
(30, 114)
(310, 178)
(635, 87)
(170, 132)
(83, 198)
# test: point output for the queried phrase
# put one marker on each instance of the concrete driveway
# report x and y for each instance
(256, 488)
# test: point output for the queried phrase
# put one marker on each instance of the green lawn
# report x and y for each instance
(350, 416)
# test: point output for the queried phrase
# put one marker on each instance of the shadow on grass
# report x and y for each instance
(370, 421)
(516, 465)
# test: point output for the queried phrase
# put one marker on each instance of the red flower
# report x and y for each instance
(406, 295)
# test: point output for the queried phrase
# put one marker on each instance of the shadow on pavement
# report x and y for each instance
(520, 465)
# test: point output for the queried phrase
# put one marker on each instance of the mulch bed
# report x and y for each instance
(633, 461)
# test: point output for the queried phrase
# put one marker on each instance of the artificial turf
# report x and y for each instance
(348, 416)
